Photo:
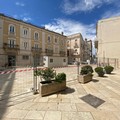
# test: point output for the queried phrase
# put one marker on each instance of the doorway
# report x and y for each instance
(36, 60)
(11, 60)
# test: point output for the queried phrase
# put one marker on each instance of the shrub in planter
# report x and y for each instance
(60, 77)
(86, 69)
(48, 74)
(108, 69)
(85, 74)
(52, 83)
(99, 71)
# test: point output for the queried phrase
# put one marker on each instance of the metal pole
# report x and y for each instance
(35, 77)
(78, 64)
(78, 68)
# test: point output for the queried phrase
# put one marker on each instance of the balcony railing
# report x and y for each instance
(34, 49)
(62, 53)
(49, 52)
(10, 46)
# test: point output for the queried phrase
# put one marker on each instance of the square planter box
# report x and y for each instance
(84, 78)
(50, 88)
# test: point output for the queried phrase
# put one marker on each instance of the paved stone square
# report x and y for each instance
(67, 105)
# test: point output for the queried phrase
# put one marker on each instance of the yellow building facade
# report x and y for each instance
(24, 44)
(78, 49)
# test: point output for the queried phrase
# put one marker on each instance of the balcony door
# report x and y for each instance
(36, 60)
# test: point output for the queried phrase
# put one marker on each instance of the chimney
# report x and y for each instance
(62, 33)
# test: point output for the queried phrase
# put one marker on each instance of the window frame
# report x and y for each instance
(25, 45)
(25, 57)
(25, 31)
(36, 33)
(12, 43)
(12, 29)
(51, 60)
(49, 39)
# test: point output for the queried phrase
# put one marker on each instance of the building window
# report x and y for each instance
(64, 60)
(36, 46)
(25, 57)
(25, 45)
(12, 29)
(55, 40)
(68, 44)
(49, 39)
(25, 32)
(51, 60)
(11, 43)
(62, 42)
(36, 36)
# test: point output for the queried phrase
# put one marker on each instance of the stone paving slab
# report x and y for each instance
(67, 105)
(77, 116)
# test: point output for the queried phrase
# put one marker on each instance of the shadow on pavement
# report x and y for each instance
(68, 90)
(6, 84)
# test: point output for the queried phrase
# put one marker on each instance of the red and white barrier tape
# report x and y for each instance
(14, 71)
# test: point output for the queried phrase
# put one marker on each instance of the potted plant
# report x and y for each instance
(100, 71)
(51, 82)
(108, 69)
(46, 74)
(85, 74)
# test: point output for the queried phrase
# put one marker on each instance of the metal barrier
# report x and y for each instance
(108, 61)
(15, 81)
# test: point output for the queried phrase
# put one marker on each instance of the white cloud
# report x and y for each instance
(26, 19)
(111, 13)
(84, 5)
(71, 27)
(20, 4)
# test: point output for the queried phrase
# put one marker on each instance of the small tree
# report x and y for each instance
(47, 73)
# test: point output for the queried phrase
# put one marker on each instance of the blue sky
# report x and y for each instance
(68, 16)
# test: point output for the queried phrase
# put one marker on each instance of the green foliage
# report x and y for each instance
(99, 71)
(86, 69)
(108, 69)
(47, 73)
(60, 77)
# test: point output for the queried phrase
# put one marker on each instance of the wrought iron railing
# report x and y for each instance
(10, 46)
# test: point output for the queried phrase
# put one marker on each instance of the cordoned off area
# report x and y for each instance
(25, 60)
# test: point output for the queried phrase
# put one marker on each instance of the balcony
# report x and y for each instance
(10, 46)
(36, 50)
(49, 52)
(62, 53)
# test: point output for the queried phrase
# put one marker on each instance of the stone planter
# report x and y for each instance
(50, 88)
(84, 78)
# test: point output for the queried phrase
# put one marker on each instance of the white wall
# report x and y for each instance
(108, 35)
(57, 61)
